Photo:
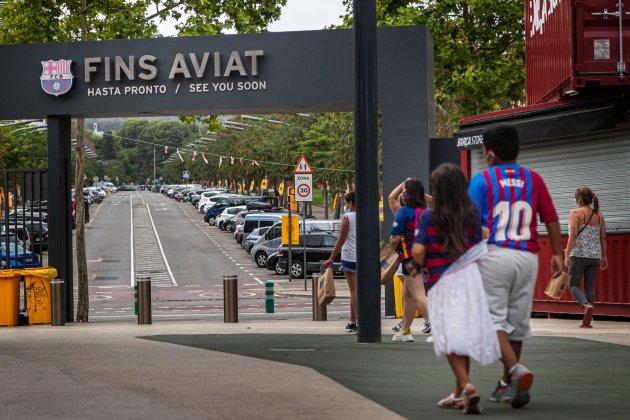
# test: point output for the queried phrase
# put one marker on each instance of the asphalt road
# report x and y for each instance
(140, 233)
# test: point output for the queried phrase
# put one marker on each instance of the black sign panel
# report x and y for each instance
(270, 72)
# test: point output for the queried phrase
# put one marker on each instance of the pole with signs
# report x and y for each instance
(303, 180)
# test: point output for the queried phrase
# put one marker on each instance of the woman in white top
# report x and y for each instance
(586, 250)
(347, 244)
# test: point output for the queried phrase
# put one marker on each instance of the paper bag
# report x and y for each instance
(557, 285)
(326, 287)
(389, 263)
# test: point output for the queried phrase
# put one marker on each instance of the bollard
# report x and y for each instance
(230, 299)
(58, 305)
(135, 298)
(319, 311)
(144, 300)
(269, 302)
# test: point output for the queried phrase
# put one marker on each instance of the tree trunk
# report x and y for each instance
(338, 206)
(325, 199)
(83, 306)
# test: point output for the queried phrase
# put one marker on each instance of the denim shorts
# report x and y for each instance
(348, 266)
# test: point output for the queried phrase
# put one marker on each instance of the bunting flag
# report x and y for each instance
(220, 160)
(231, 160)
(193, 155)
(165, 149)
(203, 156)
(180, 155)
(241, 161)
(255, 163)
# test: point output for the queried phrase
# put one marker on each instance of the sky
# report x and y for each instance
(297, 15)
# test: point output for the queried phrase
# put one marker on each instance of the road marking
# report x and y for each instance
(99, 259)
(133, 269)
(168, 267)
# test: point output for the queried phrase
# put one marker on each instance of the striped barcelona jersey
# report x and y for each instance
(509, 197)
(404, 226)
(427, 235)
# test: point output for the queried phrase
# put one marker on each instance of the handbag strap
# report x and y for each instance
(587, 222)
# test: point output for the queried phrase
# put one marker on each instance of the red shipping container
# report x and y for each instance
(572, 45)
(612, 287)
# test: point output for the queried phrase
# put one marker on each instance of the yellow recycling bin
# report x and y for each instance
(38, 293)
(9, 297)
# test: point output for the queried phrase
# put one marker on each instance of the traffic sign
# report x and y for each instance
(303, 167)
(303, 187)
(186, 175)
(95, 179)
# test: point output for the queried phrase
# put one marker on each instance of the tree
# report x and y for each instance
(479, 52)
(53, 21)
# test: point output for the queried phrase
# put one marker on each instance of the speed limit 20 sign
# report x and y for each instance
(303, 180)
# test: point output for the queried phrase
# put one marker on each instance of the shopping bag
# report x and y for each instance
(326, 287)
(557, 285)
(389, 263)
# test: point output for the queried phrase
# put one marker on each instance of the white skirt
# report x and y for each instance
(460, 318)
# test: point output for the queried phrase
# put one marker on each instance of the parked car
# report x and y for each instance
(17, 258)
(253, 237)
(223, 203)
(254, 221)
(319, 246)
(227, 214)
(209, 198)
(269, 243)
(272, 264)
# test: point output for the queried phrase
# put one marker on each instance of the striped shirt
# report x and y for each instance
(405, 226)
(509, 196)
(427, 235)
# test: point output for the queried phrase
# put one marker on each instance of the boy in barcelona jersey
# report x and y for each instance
(509, 198)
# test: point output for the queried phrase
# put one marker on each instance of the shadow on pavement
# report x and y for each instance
(573, 378)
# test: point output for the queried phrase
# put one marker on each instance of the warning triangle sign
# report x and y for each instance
(303, 167)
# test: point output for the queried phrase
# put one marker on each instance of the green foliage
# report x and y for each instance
(479, 52)
(23, 149)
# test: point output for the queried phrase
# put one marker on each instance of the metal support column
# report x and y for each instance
(366, 171)
(60, 204)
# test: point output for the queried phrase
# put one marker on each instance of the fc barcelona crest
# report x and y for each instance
(56, 78)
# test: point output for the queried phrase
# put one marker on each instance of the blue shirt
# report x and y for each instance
(405, 226)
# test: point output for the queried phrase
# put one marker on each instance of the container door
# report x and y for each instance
(602, 37)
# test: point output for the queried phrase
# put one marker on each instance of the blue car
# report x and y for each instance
(18, 258)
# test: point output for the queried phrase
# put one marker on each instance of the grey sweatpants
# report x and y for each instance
(508, 278)
(586, 267)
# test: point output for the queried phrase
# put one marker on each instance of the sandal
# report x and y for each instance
(588, 316)
(471, 400)
(451, 402)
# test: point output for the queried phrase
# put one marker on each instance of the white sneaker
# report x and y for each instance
(397, 326)
(430, 339)
(402, 338)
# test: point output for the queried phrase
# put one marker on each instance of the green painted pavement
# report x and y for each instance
(573, 378)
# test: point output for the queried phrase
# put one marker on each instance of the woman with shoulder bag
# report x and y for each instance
(586, 250)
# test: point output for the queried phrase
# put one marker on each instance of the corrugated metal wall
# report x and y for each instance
(600, 162)
(603, 163)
